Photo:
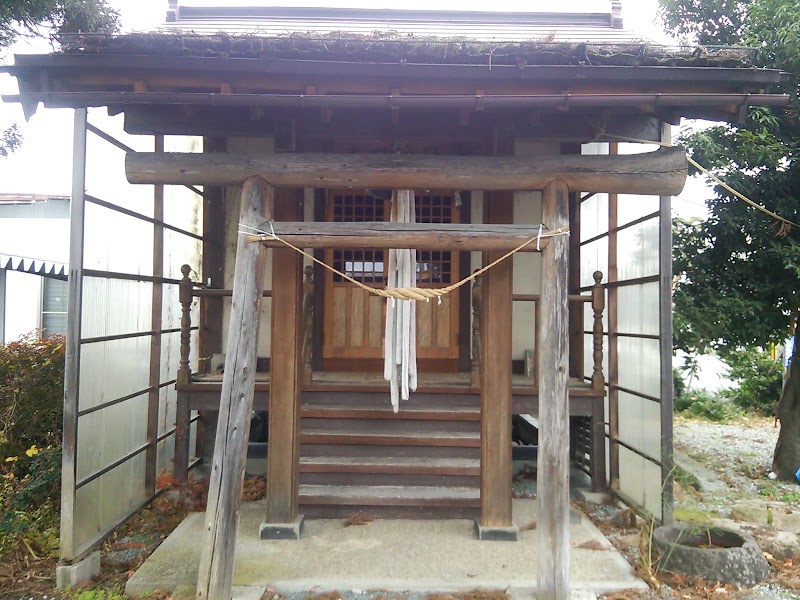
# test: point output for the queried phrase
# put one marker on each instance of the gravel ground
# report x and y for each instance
(740, 453)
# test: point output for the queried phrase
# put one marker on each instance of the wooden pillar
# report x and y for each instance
(282, 520)
(156, 318)
(236, 403)
(213, 267)
(495, 380)
(552, 477)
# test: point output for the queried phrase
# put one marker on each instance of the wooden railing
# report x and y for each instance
(189, 290)
(597, 300)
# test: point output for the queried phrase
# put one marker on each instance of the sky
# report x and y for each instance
(48, 135)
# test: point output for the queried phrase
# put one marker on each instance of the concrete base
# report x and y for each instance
(585, 495)
(78, 572)
(281, 531)
(496, 534)
(387, 554)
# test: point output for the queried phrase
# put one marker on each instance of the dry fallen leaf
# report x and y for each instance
(593, 545)
(358, 518)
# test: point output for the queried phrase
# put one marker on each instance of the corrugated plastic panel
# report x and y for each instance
(638, 250)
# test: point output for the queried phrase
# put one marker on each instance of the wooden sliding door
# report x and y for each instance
(354, 319)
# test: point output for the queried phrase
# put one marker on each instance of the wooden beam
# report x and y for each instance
(662, 172)
(552, 476)
(347, 124)
(495, 379)
(285, 377)
(236, 402)
(432, 236)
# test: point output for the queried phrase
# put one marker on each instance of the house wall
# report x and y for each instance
(29, 231)
(23, 305)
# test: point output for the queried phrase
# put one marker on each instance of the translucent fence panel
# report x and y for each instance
(594, 216)
(641, 309)
(621, 235)
(640, 479)
(117, 242)
(630, 208)
(115, 306)
(594, 257)
(638, 250)
(639, 365)
(123, 349)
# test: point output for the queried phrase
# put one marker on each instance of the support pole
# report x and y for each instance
(552, 477)
(156, 318)
(72, 364)
(282, 520)
(236, 403)
(495, 380)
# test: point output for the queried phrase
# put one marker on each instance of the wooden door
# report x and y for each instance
(354, 319)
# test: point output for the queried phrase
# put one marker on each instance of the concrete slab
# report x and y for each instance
(392, 555)
(78, 572)
(707, 479)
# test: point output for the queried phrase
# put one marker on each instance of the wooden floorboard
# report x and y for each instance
(455, 438)
(349, 412)
(391, 464)
(389, 495)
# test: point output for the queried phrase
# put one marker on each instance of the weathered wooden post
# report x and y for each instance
(552, 476)
(238, 386)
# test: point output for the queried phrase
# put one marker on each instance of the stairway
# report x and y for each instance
(357, 455)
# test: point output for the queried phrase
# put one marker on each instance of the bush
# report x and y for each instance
(31, 400)
(759, 378)
(30, 490)
(707, 405)
(31, 393)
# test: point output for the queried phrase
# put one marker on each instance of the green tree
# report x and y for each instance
(30, 17)
(20, 18)
(10, 139)
(740, 269)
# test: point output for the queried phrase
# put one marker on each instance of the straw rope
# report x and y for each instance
(406, 293)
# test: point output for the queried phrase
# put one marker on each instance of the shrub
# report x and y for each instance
(29, 496)
(707, 405)
(31, 400)
(759, 378)
(31, 393)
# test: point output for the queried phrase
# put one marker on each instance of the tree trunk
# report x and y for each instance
(786, 459)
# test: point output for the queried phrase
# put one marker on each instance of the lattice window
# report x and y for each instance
(434, 266)
(366, 266)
